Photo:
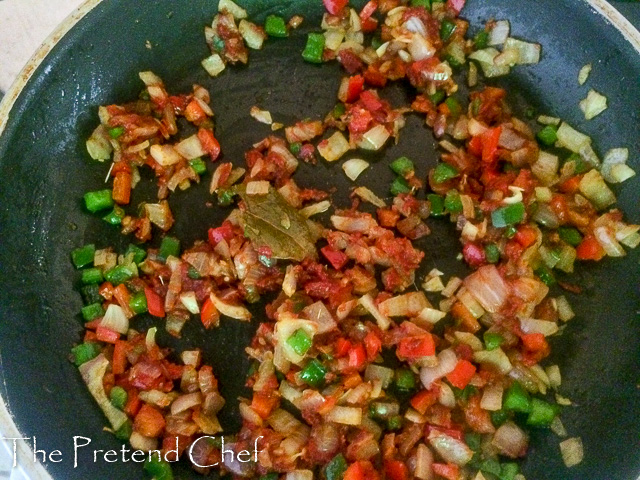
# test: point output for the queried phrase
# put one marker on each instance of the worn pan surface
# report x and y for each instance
(44, 172)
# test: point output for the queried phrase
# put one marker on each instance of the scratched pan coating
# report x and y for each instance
(44, 171)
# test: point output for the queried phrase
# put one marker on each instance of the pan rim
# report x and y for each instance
(8, 427)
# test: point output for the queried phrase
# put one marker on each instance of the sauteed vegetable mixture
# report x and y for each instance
(362, 369)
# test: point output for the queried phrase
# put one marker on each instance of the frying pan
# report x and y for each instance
(45, 170)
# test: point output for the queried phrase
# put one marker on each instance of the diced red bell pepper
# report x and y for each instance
(370, 101)
(373, 345)
(336, 258)
(149, 421)
(223, 232)
(334, 7)
(209, 314)
(133, 402)
(361, 470)
(415, 347)
(122, 188)
(119, 363)
(590, 249)
(461, 374)
(474, 254)
(424, 400)
(446, 470)
(490, 141)
(368, 10)
(369, 25)
(460, 312)
(155, 304)
(571, 185)
(107, 335)
(395, 470)
(194, 112)
(357, 356)
(475, 145)
(209, 143)
(342, 347)
(263, 404)
(356, 84)
(526, 235)
(534, 342)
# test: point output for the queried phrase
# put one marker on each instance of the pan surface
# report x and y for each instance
(44, 171)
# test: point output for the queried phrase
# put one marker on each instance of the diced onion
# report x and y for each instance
(191, 357)
(614, 168)
(486, 59)
(546, 168)
(262, 116)
(253, 35)
(470, 339)
(497, 358)
(299, 475)
(345, 415)
(528, 53)
(583, 74)
(488, 287)
(594, 104)
(190, 148)
(557, 427)
(572, 451)
(492, 398)
(213, 65)
(446, 396)
(367, 302)
(289, 283)
(593, 187)
(333, 38)
(499, 33)
(374, 138)
(545, 327)
(547, 120)
(450, 449)
(257, 187)
(142, 443)
(354, 167)
(420, 48)
(98, 144)
(115, 319)
(553, 372)
(378, 372)
(234, 311)
(315, 208)
(424, 462)
(607, 239)
(188, 299)
(232, 8)
(318, 313)
(165, 155)
(405, 305)
(510, 440)
(570, 138)
(334, 147)
(447, 361)
(185, 402)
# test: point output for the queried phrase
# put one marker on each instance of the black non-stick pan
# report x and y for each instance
(45, 170)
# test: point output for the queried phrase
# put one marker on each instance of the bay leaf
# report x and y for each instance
(269, 220)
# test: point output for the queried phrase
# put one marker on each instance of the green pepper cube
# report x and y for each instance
(170, 247)
(300, 342)
(405, 379)
(276, 27)
(542, 413)
(481, 40)
(93, 311)
(492, 253)
(508, 215)
(447, 27)
(545, 274)
(499, 417)
(437, 204)
(119, 274)
(225, 196)
(492, 340)
(116, 132)
(394, 423)
(580, 166)
(491, 465)
(138, 253)
(376, 42)
(421, 3)
(125, 431)
(84, 352)
(269, 476)
(570, 235)
(402, 166)
(335, 468)
(444, 172)
(138, 302)
(452, 202)
(473, 440)
(91, 276)
(115, 216)
(295, 148)
(118, 397)
(91, 294)
(548, 135)
(193, 274)
(517, 399)
(454, 106)
(198, 165)
(83, 256)
(313, 373)
(314, 48)
(398, 186)
(98, 200)
(508, 471)
(438, 97)
(157, 468)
